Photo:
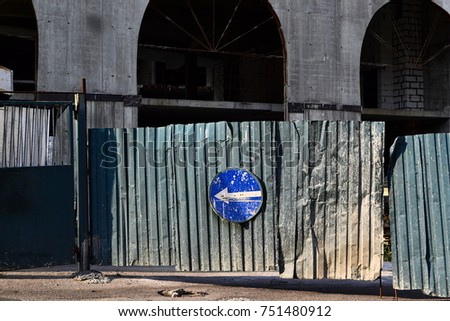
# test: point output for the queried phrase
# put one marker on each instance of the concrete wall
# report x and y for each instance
(92, 39)
(97, 40)
(324, 41)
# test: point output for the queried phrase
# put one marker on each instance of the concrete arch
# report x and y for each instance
(285, 57)
(19, 42)
(404, 57)
(379, 4)
(213, 57)
(444, 4)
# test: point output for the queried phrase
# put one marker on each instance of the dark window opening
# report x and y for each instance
(18, 42)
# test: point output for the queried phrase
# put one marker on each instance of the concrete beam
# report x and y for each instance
(211, 104)
(406, 113)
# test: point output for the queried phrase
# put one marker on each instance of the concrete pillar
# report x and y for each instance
(407, 41)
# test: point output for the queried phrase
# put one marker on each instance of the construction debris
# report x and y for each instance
(92, 277)
(179, 293)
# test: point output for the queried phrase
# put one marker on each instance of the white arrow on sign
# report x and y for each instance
(227, 197)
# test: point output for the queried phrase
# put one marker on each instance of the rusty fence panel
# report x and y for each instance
(420, 213)
(323, 188)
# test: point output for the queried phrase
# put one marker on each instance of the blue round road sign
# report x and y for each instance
(236, 195)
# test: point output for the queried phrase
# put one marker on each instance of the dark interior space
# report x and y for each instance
(395, 78)
(401, 126)
(18, 42)
(369, 79)
(18, 55)
(406, 127)
(211, 50)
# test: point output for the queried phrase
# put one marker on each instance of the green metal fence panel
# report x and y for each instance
(330, 219)
(325, 212)
(205, 242)
(131, 197)
(420, 213)
(149, 197)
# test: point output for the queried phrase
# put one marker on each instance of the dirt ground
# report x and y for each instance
(147, 284)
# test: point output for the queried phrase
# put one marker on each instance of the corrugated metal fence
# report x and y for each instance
(34, 134)
(322, 180)
(330, 209)
(420, 213)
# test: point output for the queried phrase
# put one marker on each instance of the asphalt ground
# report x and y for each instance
(161, 284)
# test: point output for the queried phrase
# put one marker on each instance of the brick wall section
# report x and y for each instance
(408, 42)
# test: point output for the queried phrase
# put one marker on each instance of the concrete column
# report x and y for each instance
(408, 73)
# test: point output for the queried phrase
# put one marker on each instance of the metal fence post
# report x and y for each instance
(82, 186)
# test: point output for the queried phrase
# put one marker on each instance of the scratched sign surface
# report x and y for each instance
(236, 195)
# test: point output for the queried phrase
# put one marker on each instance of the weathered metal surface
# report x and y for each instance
(420, 213)
(330, 199)
(236, 195)
(35, 134)
(151, 204)
(204, 241)
(131, 196)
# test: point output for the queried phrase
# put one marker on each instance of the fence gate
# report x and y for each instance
(37, 221)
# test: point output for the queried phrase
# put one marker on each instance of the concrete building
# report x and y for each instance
(157, 62)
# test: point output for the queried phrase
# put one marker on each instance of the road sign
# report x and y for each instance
(236, 195)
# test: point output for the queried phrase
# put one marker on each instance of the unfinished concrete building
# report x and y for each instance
(152, 63)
